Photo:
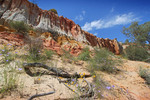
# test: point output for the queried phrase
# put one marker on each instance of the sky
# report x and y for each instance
(103, 18)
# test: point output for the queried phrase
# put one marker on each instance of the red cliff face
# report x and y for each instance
(92, 40)
(23, 10)
(14, 39)
(112, 45)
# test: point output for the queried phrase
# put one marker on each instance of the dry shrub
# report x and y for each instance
(35, 46)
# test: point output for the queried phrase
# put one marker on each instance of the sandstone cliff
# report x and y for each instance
(112, 45)
(23, 10)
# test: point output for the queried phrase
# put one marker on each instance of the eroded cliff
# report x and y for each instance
(47, 21)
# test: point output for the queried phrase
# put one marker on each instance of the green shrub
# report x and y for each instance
(53, 10)
(66, 56)
(104, 60)
(9, 80)
(137, 53)
(127, 41)
(5, 50)
(145, 74)
(101, 86)
(7, 57)
(35, 46)
(49, 53)
(20, 26)
(85, 55)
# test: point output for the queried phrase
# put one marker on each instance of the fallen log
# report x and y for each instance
(42, 94)
(59, 73)
(56, 71)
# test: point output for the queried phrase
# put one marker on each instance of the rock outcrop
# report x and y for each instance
(50, 43)
(23, 10)
(4, 28)
(10, 38)
(62, 42)
(112, 45)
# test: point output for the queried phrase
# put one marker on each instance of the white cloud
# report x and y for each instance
(81, 16)
(106, 23)
(87, 27)
(95, 34)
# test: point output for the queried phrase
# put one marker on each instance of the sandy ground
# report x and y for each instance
(40, 84)
(128, 85)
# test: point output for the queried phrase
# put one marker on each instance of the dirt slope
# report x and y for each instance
(127, 85)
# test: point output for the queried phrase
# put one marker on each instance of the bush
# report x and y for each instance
(9, 80)
(136, 53)
(85, 55)
(104, 60)
(66, 56)
(7, 57)
(53, 10)
(20, 26)
(35, 46)
(126, 41)
(101, 86)
(49, 53)
(145, 74)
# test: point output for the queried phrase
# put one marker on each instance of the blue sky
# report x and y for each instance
(103, 18)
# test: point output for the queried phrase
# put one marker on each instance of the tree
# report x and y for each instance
(53, 10)
(127, 41)
(138, 33)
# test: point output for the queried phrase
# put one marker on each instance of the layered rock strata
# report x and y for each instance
(23, 10)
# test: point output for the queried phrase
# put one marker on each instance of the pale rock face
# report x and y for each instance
(23, 10)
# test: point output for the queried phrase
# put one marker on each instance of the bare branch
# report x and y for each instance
(42, 94)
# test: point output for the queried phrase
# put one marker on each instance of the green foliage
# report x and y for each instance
(9, 80)
(85, 55)
(145, 74)
(53, 10)
(127, 41)
(68, 57)
(5, 50)
(104, 60)
(134, 52)
(138, 33)
(66, 54)
(35, 46)
(7, 57)
(9, 83)
(20, 26)
(101, 86)
(49, 53)
(34, 54)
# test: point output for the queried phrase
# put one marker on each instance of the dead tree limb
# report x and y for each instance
(56, 71)
(42, 94)
(59, 72)
(89, 92)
